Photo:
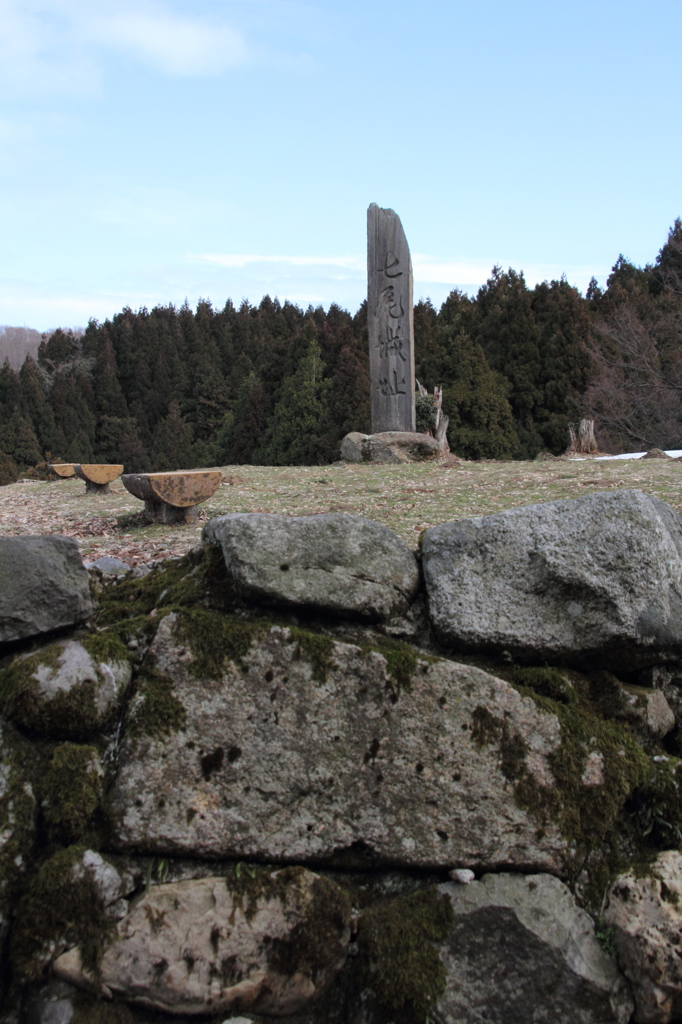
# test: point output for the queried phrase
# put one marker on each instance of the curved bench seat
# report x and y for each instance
(97, 476)
(62, 469)
(173, 497)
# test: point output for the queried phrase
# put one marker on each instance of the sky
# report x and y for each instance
(157, 150)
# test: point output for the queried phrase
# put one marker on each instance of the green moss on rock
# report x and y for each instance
(656, 807)
(104, 648)
(308, 945)
(156, 711)
(200, 578)
(72, 792)
(68, 714)
(60, 908)
(398, 959)
(317, 648)
(17, 820)
(215, 639)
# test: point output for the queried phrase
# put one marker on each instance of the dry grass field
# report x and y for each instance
(405, 498)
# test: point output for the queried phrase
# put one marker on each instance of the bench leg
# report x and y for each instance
(173, 516)
(91, 488)
(169, 515)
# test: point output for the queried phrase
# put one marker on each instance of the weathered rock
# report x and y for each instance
(667, 679)
(391, 446)
(76, 896)
(647, 710)
(44, 586)
(63, 689)
(270, 942)
(507, 948)
(333, 562)
(645, 911)
(109, 566)
(596, 580)
(521, 950)
(300, 748)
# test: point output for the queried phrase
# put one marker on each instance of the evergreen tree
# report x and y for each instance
(8, 470)
(19, 442)
(118, 441)
(36, 405)
(109, 398)
(505, 328)
(293, 437)
(249, 422)
(172, 445)
(347, 402)
(429, 356)
(563, 320)
(481, 425)
(10, 393)
(73, 405)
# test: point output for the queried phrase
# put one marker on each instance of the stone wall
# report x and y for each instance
(303, 773)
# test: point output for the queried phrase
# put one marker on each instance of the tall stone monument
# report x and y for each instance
(390, 321)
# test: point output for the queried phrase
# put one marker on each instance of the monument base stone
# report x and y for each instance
(390, 446)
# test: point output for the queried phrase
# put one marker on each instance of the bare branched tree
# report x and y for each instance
(636, 391)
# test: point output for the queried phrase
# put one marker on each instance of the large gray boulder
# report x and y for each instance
(594, 580)
(44, 586)
(304, 749)
(645, 911)
(516, 949)
(390, 446)
(271, 942)
(332, 562)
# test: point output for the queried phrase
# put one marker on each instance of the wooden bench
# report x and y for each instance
(172, 498)
(97, 477)
(62, 469)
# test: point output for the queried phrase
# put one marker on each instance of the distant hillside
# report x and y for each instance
(18, 342)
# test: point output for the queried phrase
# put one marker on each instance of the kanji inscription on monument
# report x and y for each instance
(389, 317)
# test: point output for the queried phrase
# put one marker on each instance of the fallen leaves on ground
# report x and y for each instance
(407, 498)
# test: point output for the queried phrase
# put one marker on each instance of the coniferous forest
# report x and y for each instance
(176, 388)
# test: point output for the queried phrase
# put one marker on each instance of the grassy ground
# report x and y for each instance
(406, 498)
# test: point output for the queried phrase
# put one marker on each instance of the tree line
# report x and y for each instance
(273, 384)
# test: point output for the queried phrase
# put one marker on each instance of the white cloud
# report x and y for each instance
(433, 276)
(240, 260)
(58, 46)
(176, 44)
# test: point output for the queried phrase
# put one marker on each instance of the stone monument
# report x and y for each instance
(390, 321)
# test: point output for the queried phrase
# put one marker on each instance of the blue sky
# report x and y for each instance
(152, 150)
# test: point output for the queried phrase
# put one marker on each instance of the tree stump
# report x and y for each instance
(581, 439)
(172, 498)
(97, 477)
(440, 428)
